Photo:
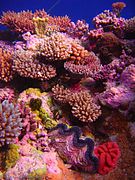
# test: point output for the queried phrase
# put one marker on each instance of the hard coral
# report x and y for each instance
(82, 104)
(118, 7)
(6, 72)
(108, 155)
(10, 122)
(86, 67)
(6, 94)
(83, 107)
(60, 93)
(74, 150)
(19, 22)
(26, 66)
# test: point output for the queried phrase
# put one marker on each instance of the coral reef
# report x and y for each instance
(67, 96)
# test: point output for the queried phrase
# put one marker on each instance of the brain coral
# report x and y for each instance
(10, 122)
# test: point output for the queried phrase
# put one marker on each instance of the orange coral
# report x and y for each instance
(18, 22)
(6, 73)
(119, 5)
(78, 51)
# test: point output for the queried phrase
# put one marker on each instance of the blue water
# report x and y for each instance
(75, 9)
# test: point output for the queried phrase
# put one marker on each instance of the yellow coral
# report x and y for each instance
(12, 156)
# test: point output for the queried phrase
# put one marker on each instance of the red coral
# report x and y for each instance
(108, 154)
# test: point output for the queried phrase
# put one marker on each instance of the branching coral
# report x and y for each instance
(108, 154)
(60, 93)
(85, 67)
(26, 66)
(6, 72)
(74, 150)
(6, 93)
(109, 21)
(23, 21)
(82, 104)
(83, 107)
(19, 22)
(10, 122)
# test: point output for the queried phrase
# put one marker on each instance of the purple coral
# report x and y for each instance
(10, 122)
(6, 93)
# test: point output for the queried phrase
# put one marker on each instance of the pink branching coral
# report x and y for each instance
(85, 67)
(74, 150)
(23, 21)
(19, 22)
(60, 93)
(83, 106)
(78, 29)
(108, 155)
(6, 72)
(10, 122)
(38, 139)
(6, 94)
(26, 66)
(29, 122)
(109, 20)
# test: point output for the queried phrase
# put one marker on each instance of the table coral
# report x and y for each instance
(108, 154)
(73, 149)
(86, 67)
